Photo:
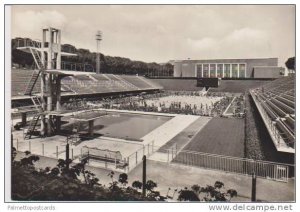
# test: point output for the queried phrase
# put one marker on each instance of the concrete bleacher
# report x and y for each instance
(85, 84)
(20, 79)
(136, 81)
(276, 103)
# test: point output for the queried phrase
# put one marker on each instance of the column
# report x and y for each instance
(216, 72)
(223, 66)
(43, 121)
(58, 58)
(238, 74)
(202, 70)
(91, 127)
(49, 53)
(230, 70)
(209, 70)
(49, 125)
(196, 70)
(49, 92)
(49, 104)
(42, 48)
(58, 93)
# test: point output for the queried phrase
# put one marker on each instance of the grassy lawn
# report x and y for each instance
(223, 136)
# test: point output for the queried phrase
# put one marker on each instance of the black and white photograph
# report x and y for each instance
(150, 103)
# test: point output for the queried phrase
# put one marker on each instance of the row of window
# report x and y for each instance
(221, 70)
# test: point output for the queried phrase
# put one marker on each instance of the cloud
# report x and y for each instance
(31, 22)
(244, 34)
(203, 44)
(166, 32)
(243, 42)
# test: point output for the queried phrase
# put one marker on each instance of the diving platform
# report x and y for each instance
(28, 49)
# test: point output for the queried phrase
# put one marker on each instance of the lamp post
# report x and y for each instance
(98, 39)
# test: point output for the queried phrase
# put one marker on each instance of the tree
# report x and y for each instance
(290, 64)
(123, 179)
(232, 193)
(187, 195)
(196, 188)
(137, 184)
(150, 185)
(109, 64)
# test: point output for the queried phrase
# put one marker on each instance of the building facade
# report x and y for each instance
(227, 68)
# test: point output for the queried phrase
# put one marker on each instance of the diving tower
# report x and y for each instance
(47, 58)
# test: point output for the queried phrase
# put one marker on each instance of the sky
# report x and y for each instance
(159, 33)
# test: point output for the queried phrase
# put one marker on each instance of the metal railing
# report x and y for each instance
(26, 42)
(73, 66)
(264, 169)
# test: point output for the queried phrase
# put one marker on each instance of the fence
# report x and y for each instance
(116, 162)
(52, 150)
(136, 157)
(264, 169)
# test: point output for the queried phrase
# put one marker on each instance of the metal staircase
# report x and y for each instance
(32, 81)
(31, 128)
(34, 121)
(37, 103)
(39, 64)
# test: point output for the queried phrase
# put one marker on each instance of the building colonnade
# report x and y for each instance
(221, 70)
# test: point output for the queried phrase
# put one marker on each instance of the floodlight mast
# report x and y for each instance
(98, 39)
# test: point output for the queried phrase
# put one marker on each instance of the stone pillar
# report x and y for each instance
(49, 125)
(49, 104)
(223, 65)
(44, 106)
(238, 74)
(230, 70)
(58, 58)
(49, 53)
(50, 92)
(91, 127)
(208, 70)
(43, 47)
(216, 70)
(58, 93)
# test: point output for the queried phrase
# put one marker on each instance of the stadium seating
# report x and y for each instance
(19, 81)
(136, 81)
(85, 84)
(277, 99)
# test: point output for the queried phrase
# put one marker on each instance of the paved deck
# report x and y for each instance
(179, 176)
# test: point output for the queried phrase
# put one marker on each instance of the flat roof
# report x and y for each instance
(224, 59)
